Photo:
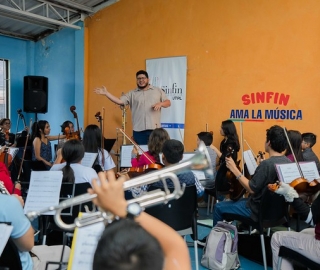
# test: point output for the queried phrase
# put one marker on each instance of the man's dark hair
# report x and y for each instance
(206, 137)
(142, 72)
(125, 245)
(173, 151)
(277, 138)
(309, 138)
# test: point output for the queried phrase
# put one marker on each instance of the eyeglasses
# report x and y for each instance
(141, 78)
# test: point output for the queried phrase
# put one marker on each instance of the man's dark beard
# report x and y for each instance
(142, 87)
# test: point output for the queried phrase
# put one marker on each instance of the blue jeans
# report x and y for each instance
(230, 207)
(142, 137)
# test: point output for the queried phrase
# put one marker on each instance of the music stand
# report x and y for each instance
(108, 144)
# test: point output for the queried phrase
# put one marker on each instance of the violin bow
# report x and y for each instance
(102, 135)
(241, 140)
(294, 156)
(24, 150)
(135, 144)
(249, 147)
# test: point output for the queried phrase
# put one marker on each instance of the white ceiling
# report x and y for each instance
(36, 19)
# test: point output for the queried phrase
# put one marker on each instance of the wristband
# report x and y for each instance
(239, 176)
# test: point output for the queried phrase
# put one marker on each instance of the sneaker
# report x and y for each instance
(202, 242)
(202, 204)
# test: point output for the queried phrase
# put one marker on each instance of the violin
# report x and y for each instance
(71, 135)
(5, 156)
(141, 169)
(301, 184)
(75, 134)
(261, 155)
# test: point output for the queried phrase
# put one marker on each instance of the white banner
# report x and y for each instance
(170, 74)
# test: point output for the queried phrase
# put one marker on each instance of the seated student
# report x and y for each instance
(73, 152)
(66, 126)
(295, 141)
(23, 236)
(308, 141)
(306, 242)
(265, 174)
(208, 183)
(92, 143)
(5, 125)
(22, 233)
(172, 153)
(207, 138)
(12, 188)
(133, 244)
(157, 137)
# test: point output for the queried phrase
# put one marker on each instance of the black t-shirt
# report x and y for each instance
(265, 174)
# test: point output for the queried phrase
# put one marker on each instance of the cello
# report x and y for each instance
(5, 156)
(100, 120)
(236, 190)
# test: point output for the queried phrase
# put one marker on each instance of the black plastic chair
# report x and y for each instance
(10, 258)
(180, 214)
(68, 215)
(273, 211)
(285, 252)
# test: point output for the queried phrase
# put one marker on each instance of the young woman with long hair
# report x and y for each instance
(92, 138)
(41, 142)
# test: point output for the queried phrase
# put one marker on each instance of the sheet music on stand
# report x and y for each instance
(289, 171)
(84, 244)
(125, 154)
(44, 191)
(250, 161)
(5, 232)
(89, 159)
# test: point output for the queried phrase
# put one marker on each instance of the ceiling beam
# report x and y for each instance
(72, 4)
(38, 19)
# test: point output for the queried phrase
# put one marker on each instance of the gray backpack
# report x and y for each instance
(221, 250)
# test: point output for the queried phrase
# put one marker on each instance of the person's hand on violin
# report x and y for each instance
(124, 173)
(260, 157)
(101, 90)
(231, 164)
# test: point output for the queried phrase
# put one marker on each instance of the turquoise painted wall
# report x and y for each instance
(60, 57)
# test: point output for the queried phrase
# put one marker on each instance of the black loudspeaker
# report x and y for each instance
(35, 95)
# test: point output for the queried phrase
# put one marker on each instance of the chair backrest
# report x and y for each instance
(10, 257)
(69, 190)
(273, 209)
(179, 214)
(37, 165)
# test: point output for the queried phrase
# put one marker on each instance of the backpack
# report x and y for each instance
(221, 250)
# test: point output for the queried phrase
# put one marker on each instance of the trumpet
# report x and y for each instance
(200, 161)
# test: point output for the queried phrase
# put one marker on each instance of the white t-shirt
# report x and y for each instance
(82, 174)
(108, 161)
